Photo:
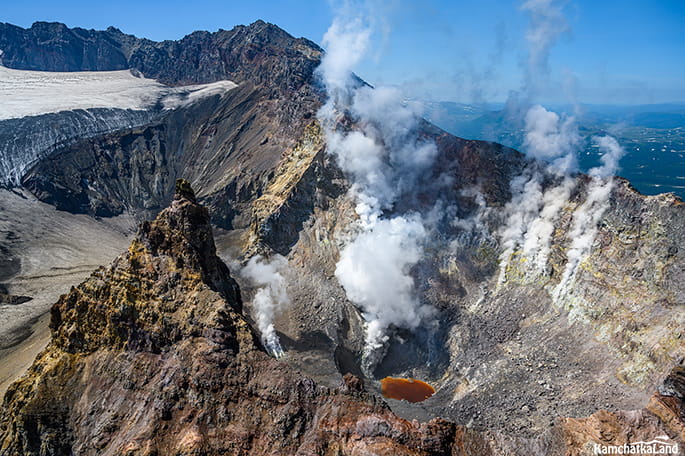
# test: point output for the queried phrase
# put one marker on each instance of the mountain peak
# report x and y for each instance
(183, 232)
(168, 286)
(184, 191)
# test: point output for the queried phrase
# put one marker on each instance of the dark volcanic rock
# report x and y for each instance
(275, 67)
(51, 46)
(260, 53)
(152, 356)
(12, 299)
(107, 175)
(229, 144)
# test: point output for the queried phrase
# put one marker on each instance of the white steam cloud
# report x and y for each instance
(346, 42)
(551, 139)
(586, 218)
(384, 159)
(271, 297)
(537, 241)
(613, 152)
(555, 140)
(374, 270)
(547, 25)
(532, 212)
(521, 211)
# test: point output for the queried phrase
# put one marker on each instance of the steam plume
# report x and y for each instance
(587, 216)
(538, 238)
(548, 138)
(521, 212)
(532, 212)
(374, 270)
(551, 139)
(384, 159)
(474, 227)
(271, 297)
(547, 25)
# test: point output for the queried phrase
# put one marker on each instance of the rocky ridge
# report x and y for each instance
(252, 53)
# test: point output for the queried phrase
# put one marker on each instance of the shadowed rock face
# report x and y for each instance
(231, 144)
(260, 53)
(55, 47)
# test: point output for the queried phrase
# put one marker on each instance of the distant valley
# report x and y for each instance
(652, 135)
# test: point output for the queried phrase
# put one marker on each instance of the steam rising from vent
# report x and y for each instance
(538, 238)
(271, 297)
(613, 152)
(531, 213)
(384, 159)
(587, 216)
(551, 139)
(534, 210)
(374, 271)
(521, 212)
(346, 43)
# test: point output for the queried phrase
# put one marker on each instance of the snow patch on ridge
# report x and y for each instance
(41, 111)
(29, 93)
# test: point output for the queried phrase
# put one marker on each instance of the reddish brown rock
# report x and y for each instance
(662, 417)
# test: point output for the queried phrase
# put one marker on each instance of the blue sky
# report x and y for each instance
(460, 50)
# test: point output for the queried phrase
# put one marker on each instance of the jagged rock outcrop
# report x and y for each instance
(51, 46)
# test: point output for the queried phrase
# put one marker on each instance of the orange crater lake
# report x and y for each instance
(409, 389)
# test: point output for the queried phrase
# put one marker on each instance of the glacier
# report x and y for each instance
(41, 112)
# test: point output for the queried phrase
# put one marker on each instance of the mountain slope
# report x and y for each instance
(505, 354)
(249, 129)
(260, 53)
